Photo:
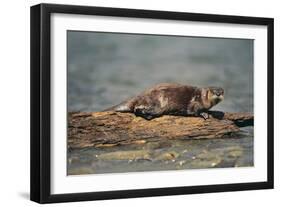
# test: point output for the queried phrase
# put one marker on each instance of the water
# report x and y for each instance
(104, 69)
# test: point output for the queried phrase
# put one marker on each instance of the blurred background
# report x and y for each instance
(106, 68)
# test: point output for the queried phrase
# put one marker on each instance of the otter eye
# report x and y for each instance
(218, 93)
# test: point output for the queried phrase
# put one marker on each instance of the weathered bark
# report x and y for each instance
(105, 129)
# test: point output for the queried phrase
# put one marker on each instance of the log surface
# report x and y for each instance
(106, 129)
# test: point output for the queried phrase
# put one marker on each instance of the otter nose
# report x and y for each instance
(218, 93)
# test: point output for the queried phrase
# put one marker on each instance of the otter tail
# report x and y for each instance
(122, 107)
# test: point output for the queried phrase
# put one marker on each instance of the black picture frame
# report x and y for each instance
(41, 98)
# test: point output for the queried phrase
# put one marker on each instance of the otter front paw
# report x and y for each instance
(204, 115)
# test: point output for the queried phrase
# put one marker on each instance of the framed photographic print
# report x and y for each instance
(132, 103)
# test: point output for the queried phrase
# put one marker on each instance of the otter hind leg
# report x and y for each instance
(146, 112)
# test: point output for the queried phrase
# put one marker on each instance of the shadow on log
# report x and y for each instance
(106, 129)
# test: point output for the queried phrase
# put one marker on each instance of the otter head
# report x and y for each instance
(215, 95)
(212, 96)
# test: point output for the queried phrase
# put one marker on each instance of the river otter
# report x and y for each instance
(172, 99)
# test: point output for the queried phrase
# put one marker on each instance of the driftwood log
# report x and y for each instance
(106, 129)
